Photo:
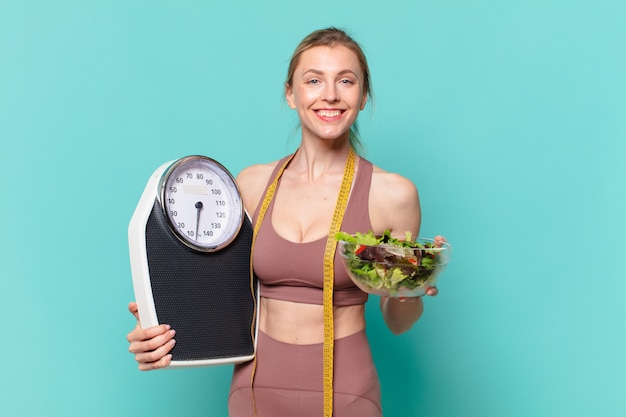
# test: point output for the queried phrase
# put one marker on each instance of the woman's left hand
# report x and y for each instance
(439, 241)
(430, 291)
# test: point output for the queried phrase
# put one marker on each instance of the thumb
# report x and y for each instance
(134, 310)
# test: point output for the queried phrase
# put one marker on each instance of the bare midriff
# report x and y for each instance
(303, 324)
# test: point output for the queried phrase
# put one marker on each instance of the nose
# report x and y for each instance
(331, 93)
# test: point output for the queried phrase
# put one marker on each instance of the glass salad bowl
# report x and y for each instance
(387, 266)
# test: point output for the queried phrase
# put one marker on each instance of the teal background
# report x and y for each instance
(509, 116)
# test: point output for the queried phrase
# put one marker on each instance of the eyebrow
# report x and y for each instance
(319, 72)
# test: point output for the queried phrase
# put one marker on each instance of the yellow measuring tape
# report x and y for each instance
(329, 271)
(329, 279)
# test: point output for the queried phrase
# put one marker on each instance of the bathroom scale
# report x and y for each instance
(189, 243)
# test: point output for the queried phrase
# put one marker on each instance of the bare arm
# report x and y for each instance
(394, 191)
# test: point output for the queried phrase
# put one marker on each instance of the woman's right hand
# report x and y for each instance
(150, 346)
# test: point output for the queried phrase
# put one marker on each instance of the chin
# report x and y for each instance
(332, 135)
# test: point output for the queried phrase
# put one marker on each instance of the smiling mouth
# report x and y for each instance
(329, 113)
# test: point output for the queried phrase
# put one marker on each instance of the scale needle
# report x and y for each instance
(199, 206)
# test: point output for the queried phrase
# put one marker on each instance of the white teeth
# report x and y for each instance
(329, 113)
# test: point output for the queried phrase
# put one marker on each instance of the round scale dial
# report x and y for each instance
(202, 203)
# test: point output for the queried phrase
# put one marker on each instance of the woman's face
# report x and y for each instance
(327, 91)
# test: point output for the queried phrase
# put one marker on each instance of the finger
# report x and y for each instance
(408, 299)
(156, 357)
(432, 291)
(134, 310)
(161, 363)
(143, 335)
(440, 240)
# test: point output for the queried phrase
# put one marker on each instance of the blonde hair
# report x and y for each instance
(330, 37)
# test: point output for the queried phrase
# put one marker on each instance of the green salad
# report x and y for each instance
(385, 263)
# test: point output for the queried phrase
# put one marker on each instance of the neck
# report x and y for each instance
(313, 161)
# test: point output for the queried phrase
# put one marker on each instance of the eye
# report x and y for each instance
(313, 81)
(346, 81)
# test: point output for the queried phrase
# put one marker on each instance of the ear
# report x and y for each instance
(363, 101)
(289, 96)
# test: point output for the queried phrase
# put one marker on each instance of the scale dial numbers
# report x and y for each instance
(202, 203)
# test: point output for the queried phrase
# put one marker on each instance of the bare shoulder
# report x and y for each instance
(394, 202)
(393, 187)
(252, 182)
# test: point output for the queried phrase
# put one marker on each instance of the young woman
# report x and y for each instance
(328, 84)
